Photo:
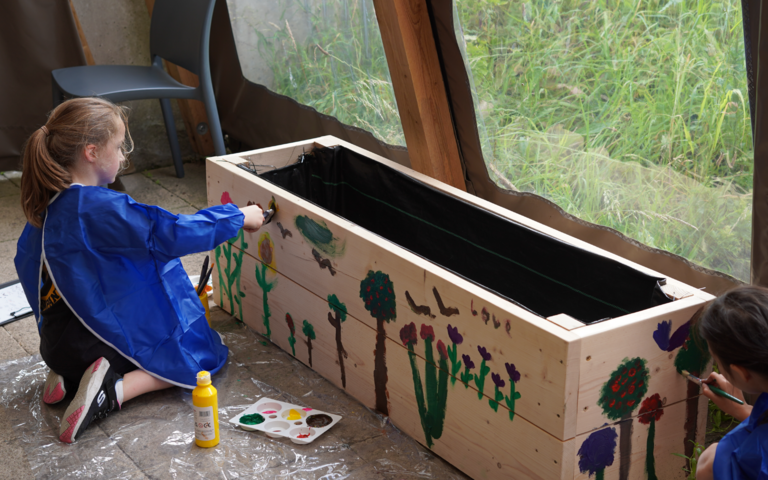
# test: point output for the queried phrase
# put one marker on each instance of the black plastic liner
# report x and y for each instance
(538, 272)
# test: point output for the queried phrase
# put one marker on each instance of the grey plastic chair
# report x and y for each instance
(179, 32)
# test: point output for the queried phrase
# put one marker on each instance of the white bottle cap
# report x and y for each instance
(203, 378)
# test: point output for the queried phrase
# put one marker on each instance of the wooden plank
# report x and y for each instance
(605, 346)
(565, 321)
(538, 348)
(667, 441)
(86, 49)
(479, 440)
(417, 80)
(192, 111)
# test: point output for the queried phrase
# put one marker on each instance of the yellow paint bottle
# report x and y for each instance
(206, 405)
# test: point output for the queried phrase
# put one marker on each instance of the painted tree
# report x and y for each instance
(378, 294)
(619, 397)
(291, 337)
(266, 275)
(484, 371)
(432, 406)
(336, 317)
(693, 356)
(650, 413)
(514, 377)
(453, 354)
(597, 452)
(309, 332)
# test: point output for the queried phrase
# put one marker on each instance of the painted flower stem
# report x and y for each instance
(292, 342)
(480, 379)
(453, 354)
(650, 462)
(432, 407)
(231, 276)
(498, 398)
(266, 287)
(466, 377)
(510, 400)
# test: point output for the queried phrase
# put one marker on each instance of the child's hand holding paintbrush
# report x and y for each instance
(723, 394)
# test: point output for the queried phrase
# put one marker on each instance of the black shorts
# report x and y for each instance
(69, 348)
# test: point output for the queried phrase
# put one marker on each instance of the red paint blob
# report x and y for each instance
(306, 409)
(269, 411)
(303, 435)
(225, 198)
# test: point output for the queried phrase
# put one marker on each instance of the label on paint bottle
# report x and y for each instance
(204, 427)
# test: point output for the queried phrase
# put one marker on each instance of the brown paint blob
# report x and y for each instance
(319, 421)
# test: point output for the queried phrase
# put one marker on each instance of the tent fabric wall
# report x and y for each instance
(259, 118)
(536, 207)
(37, 36)
(757, 64)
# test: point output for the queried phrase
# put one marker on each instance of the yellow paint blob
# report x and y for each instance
(293, 415)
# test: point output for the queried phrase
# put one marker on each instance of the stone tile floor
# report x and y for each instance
(152, 437)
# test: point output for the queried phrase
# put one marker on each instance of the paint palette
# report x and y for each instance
(278, 419)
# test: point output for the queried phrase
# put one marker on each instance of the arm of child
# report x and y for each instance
(739, 412)
(706, 463)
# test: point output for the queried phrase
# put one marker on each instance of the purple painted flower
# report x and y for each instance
(497, 380)
(668, 341)
(597, 451)
(455, 336)
(468, 362)
(514, 375)
(484, 353)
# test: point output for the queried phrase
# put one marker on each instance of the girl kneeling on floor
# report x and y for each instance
(117, 313)
(735, 325)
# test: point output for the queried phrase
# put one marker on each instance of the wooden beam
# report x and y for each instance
(192, 111)
(419, 89)
(86, 49)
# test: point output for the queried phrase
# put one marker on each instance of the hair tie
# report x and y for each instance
(45, 130)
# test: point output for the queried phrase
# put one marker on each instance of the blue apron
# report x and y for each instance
(115, 262)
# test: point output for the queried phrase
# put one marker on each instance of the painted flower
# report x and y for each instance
(514, 375)
(408, 334)
(427, 332)
(225, 198)
(497, 380)
(455, 336)
(266, 249)
(650, 409)
(441, 349)
(468, 362)
(668, 341)
(484, 353)
(289, 321)
(597, 451)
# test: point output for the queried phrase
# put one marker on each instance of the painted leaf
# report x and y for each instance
(693, 355)
(337, 306)
(378, 294)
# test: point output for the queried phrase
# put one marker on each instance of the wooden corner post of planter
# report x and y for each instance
(192, 111)
(419, 89)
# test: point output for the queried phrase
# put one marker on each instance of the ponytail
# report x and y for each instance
(52, 151)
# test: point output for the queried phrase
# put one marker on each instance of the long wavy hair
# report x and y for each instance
(48, 157)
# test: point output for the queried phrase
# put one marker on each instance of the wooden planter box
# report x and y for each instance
(555, 398)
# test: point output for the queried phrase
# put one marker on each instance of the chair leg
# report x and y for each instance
(173, 139)
(213, 121)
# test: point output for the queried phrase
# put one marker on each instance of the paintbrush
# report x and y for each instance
(204, 282)
(202, 273)
(268, 214)
(717, 391)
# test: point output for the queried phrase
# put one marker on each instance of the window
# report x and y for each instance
(628, 113)
(322, 53)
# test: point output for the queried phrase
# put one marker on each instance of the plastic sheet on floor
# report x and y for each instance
(153, 435)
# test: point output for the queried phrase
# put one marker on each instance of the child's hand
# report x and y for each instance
(739, 412)
(254, 217)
